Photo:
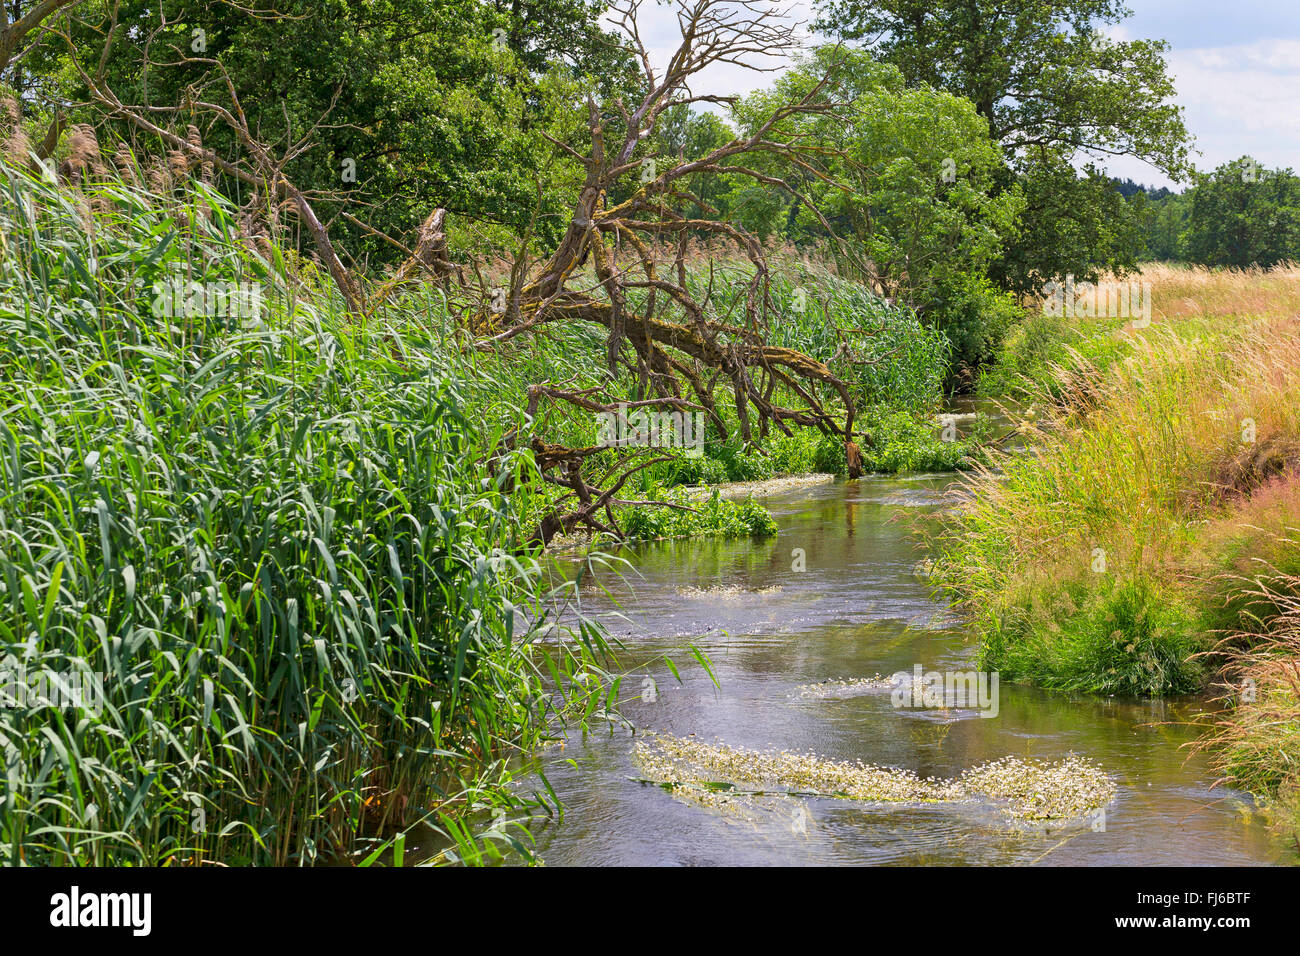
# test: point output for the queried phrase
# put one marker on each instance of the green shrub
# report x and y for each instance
(742, 464)
(695, 471)
(713, 516)
(902, 443)
(794, 454)
(975, 316)
(829, 456)
(1122, 636)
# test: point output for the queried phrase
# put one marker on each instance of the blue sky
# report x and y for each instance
(1237, 69)
(1236, 65)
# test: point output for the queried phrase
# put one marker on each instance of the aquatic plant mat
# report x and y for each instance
(716, 776)
(846, 687)
(762, 489)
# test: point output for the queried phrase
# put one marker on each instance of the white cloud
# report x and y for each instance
(1242, 99)
(1238, 100)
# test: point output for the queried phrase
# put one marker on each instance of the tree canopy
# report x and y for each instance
(1243, 214)
(411, 104)
(1056, 91)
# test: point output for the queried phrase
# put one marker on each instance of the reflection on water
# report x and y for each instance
(859, 610)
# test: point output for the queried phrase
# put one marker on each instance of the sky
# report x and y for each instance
(1236, 66)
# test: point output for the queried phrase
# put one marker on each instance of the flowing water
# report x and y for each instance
(858, 609)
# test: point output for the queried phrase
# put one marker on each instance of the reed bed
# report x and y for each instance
(272, 536)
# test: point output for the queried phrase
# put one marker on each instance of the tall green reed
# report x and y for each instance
(274, 534)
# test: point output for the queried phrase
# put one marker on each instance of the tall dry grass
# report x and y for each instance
(1181, 425)
(1255, 741)
(1150, 541)
(1183, 291)
(1047, 357)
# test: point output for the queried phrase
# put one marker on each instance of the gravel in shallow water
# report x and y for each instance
(760, 489)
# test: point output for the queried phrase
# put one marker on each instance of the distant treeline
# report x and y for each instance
(1241, 214)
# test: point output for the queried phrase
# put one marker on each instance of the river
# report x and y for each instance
(857, 609)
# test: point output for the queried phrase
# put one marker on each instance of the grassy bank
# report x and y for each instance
(1146, 543)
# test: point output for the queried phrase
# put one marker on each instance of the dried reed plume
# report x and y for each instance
(16, 145)
(206, 169)
(125, 163)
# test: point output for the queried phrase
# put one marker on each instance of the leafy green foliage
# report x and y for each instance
(793, 454)
(922, 210)
(893, 358)
(1243, 215)
(701, 470)
(1074, 224)
(713, 516)
(975, 316)
(1164, 221)
(1126, 636)
(1043, 74)
(740, 463)
(902, 441)
(829, 457)
(439, 103)
(1050, 85)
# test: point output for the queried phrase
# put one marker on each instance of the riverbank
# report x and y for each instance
(1148, 545)
(295, 554)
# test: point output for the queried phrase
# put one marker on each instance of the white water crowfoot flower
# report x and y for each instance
(1040, 791)
(846, 686)
(667, 759)
(1027, 790)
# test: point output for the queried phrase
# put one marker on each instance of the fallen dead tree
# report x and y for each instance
(680, 350)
